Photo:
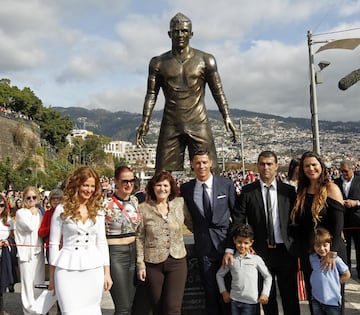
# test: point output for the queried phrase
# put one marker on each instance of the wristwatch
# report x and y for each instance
(333, 255)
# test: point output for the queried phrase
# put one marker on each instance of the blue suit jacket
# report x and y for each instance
(210, 237)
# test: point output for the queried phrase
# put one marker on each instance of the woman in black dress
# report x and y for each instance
(319, 202)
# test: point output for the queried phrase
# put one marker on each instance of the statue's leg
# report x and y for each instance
(201, 137)
(170, 150)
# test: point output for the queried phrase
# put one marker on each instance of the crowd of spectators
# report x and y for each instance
(10, 113)
(239, 178)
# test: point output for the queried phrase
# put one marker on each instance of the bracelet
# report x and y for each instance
(333, 255)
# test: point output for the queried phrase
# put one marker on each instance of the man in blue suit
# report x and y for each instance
(210, 200)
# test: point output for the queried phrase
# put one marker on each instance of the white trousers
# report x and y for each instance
(79, 292)
(31, 272)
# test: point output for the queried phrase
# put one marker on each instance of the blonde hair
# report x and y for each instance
(71, 200)
(26, 192)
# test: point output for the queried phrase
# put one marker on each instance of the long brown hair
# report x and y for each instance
(71, 197)
(320, 195)
(4, 215)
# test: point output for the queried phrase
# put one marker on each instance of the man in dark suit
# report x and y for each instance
(349, 185)
(266, 205)
(210, 200)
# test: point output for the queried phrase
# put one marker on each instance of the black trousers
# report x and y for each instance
(122, 269)
(355, 235)
(282, 267)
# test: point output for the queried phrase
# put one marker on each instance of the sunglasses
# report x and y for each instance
(31, 197)
(2, 205)
(127, 181)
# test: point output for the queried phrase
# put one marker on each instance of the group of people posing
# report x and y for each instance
(95, 244)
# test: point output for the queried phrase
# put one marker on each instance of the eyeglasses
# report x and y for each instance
(56, 198)
(127, 181)
(2, 205)
(31, 197)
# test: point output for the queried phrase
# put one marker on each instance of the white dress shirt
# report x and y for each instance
(198, 191)
(275, 208)
(346, 185)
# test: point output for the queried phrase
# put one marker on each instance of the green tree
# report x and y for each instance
(53, 127)
(119, 161)
(89, 151)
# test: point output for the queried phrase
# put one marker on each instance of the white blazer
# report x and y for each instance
(84, 244)
(26, 234)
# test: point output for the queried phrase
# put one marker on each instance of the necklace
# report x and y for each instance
(163, 211)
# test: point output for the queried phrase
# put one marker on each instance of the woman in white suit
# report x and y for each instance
(79, 270)
(31, 253)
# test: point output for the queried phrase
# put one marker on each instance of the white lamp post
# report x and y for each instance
(313, 94)
(347, 43)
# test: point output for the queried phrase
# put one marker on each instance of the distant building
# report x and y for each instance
(78, 133)
(117, 148)
(131, 153)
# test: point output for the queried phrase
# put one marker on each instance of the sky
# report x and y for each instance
(95, 53)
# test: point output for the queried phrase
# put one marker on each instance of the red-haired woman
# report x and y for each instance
(79, 271)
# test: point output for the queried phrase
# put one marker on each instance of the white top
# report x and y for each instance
(84, 244)
(346, 184)
(5, 229)
(28, 242)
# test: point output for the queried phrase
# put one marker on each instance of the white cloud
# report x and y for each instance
(95, 53)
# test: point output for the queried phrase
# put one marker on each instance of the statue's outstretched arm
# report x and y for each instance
(215, 85)
(149, 103)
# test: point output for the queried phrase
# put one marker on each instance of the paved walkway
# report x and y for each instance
(12, 302)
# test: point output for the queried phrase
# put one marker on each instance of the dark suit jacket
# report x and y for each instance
(251, 210)
(352, 215)
(207, 234)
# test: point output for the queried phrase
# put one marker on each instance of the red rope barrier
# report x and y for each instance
(27, 245)
(351, 228)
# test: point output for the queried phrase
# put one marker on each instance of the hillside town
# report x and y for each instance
(258, 134)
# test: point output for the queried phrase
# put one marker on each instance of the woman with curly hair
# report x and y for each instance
(79, 271)
(319, 203)
(161, 253)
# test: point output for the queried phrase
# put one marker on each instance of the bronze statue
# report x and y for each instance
(182, 73)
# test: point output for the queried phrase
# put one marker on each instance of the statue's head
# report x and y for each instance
(180, 19)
